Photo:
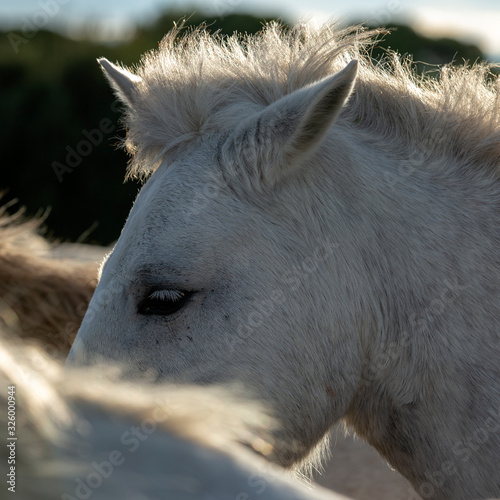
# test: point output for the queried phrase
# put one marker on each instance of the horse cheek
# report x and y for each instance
(462, 451)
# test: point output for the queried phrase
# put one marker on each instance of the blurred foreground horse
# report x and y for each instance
(105, 441)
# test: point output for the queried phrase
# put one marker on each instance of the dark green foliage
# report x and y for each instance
(57, 107)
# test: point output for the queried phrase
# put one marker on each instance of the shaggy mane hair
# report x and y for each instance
(41, 298)
(198, 83)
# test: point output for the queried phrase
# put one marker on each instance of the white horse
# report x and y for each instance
(335, 251)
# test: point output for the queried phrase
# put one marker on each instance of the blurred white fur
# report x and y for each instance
(80, 436)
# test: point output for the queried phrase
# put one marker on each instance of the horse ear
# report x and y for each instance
(123, 82)
(292, 127)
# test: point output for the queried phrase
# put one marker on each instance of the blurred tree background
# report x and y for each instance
(57, 109)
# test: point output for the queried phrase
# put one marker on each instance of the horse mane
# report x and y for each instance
(41, 298)
(197, 82)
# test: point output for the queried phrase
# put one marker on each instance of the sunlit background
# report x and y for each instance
(52, 94)
(471, 21)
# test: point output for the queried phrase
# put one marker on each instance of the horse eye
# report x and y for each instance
(163, 302)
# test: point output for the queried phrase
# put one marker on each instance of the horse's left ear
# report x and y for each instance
(123, 81)
(282, 133)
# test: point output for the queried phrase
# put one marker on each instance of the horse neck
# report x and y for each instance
(430, 380)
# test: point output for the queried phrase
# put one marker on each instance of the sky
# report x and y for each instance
(475, 21)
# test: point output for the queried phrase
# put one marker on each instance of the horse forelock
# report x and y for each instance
(204, 82)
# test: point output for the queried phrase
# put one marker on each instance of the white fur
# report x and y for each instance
(342, 254)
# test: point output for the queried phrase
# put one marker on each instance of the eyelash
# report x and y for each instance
(163, 302)
(172, 295)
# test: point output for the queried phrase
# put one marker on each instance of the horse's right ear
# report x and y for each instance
(123, 81)
(273, 141)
